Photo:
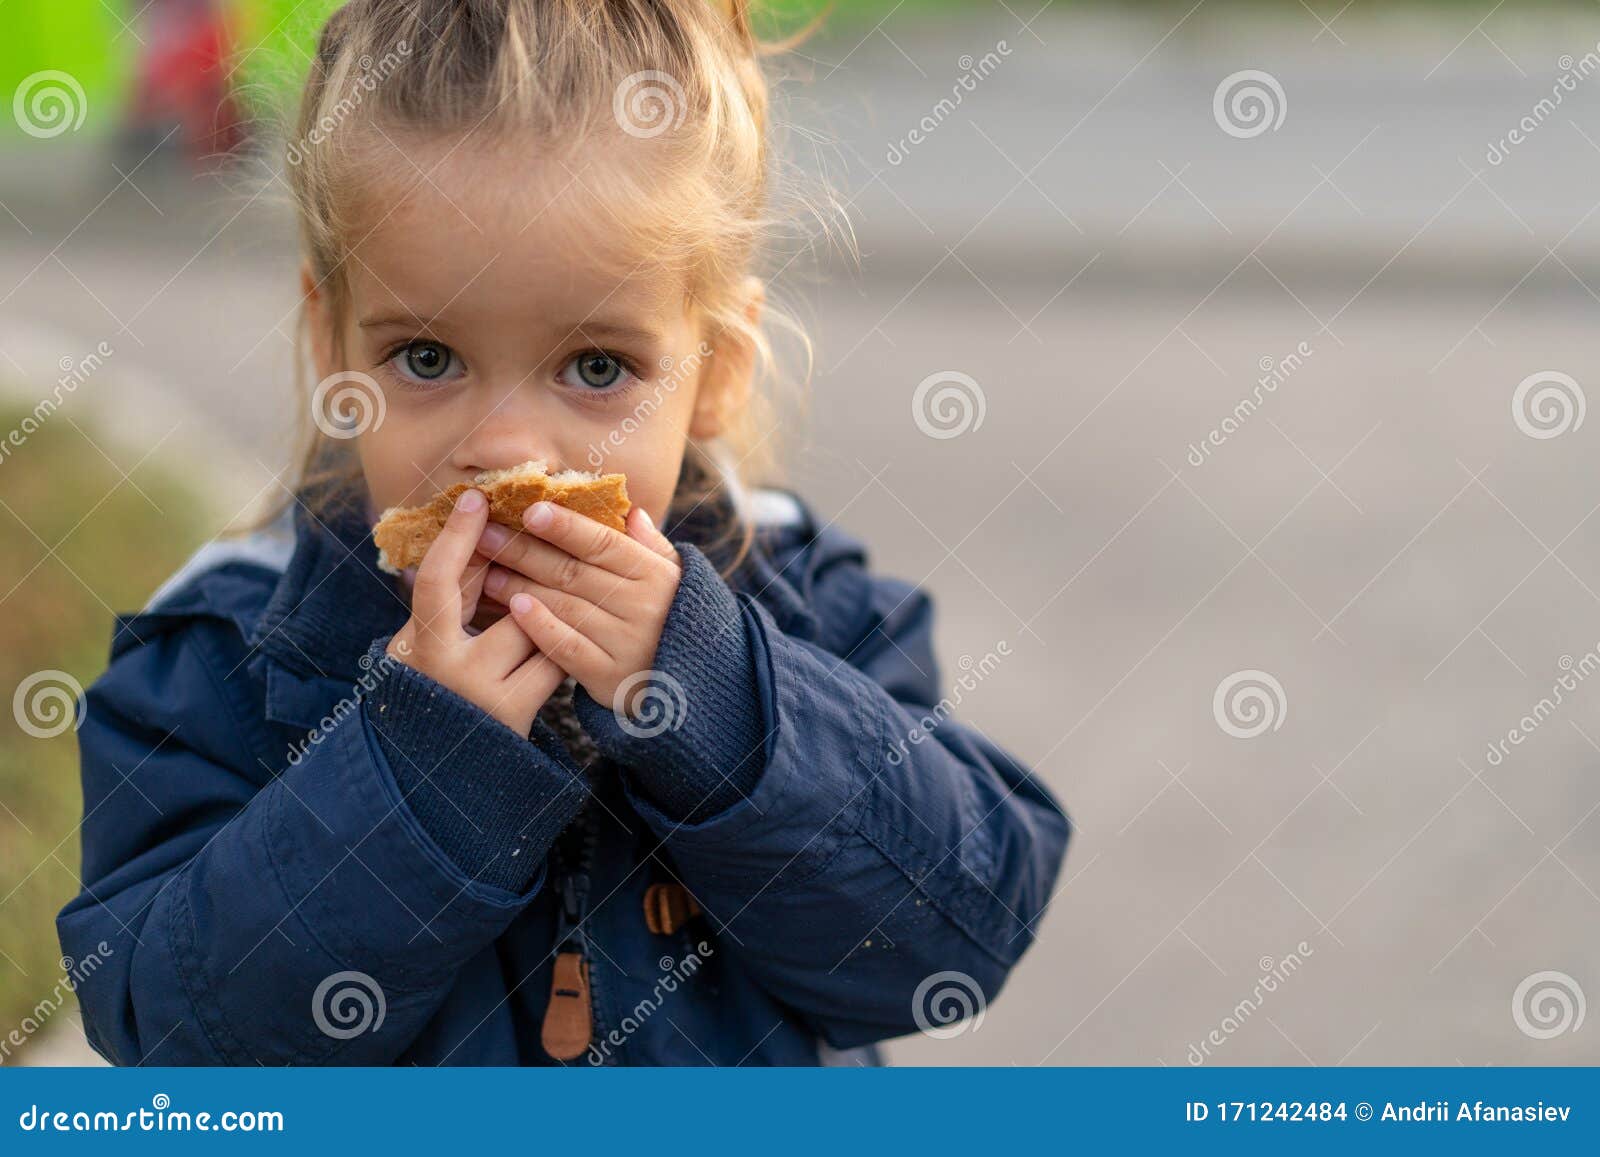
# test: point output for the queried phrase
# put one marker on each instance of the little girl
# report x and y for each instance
(679, 794)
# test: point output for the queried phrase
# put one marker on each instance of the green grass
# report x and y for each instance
(76, 541)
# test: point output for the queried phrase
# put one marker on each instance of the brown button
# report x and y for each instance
(569, 1018)
(668, 907)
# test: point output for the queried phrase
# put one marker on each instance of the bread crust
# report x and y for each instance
(405, 533)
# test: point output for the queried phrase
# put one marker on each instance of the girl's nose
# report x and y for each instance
(507, 432)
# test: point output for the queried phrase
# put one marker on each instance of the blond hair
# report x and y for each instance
(685, 73)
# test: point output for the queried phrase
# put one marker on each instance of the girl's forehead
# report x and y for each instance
(504, 229)
(613, 199)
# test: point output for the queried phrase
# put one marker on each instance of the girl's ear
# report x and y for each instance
(729, 375)
(319, 324)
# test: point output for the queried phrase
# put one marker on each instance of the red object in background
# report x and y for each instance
(183, 78)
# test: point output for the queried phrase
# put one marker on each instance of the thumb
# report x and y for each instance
(642, 529)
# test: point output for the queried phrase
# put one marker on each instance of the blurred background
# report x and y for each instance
(1221, 365)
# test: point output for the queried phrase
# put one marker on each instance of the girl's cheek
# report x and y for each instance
(395, 461)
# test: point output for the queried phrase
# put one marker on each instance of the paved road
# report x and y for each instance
(1379, 534)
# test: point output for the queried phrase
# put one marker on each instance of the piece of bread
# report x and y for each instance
(404, 533)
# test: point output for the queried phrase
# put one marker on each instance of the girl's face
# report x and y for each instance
(501, 323)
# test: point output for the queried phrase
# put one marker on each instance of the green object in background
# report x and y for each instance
(275, 40)
(69, 61)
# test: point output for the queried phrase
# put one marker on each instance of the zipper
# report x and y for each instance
(569, 1019)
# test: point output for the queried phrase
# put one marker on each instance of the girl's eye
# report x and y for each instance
(593, 370)
(426, 361)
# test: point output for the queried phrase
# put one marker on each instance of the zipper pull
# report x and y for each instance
(569, 1018)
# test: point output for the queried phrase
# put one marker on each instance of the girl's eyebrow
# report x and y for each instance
(411, 321)
(595, 327)
(590, 328)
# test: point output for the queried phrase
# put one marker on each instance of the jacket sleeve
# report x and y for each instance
(884, 865)
(289, 913)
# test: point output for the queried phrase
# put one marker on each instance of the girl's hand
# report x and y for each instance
(499, 669)
(591, 598)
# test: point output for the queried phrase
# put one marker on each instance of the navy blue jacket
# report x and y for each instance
(297, 852)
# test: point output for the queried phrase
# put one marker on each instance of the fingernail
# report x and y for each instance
(538, 516)
(495, 536)
(522, 603)
(649, 522)
(494, 582)
(470, 500)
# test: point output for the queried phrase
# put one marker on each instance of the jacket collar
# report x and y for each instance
(330, 604)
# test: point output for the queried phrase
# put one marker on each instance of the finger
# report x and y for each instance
(534, 682)
(598, 622)
(436, 595)
(544, 563)
(472, 587)
(642, 529)
(502, 647)
(569, 649)
(586, 539)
